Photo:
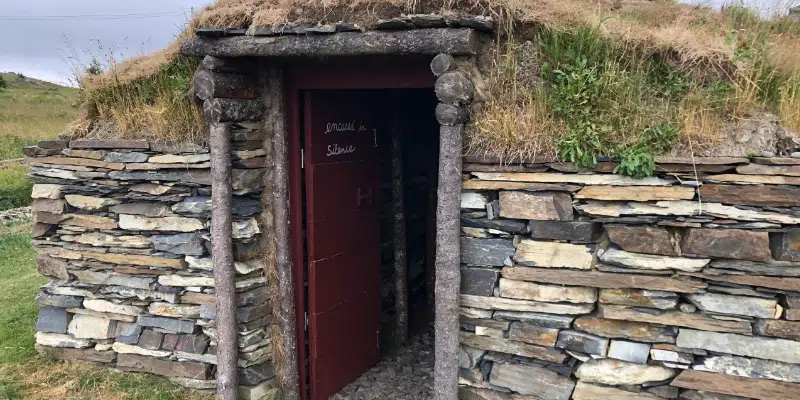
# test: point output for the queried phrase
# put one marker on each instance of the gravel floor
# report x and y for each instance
(408, 375)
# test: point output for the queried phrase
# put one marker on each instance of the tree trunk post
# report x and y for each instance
(283, 249)
(448, 259)
(399, 229)
(224, 273)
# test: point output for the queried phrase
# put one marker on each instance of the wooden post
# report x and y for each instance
(448, 259)
(274, 97)
(224, 273)
(399, 229)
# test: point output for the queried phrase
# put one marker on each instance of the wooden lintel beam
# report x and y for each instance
(462, 41)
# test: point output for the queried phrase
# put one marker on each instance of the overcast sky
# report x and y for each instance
(45, 39)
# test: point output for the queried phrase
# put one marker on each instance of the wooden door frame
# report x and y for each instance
(407, 72)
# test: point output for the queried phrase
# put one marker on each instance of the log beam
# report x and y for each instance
(232, 110)
(462, 41)
(209, 84)
(224, 273)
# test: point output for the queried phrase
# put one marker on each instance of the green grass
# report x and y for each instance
(32, 110)
(15, 190)
(26, 375)
(17, 290)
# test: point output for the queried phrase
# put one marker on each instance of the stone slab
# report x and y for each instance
(673, 318)
(735, 305)
(617, 193)
(643, 239)
(512, 347)
(629, 351)
(638, 331)
(497, 303)
(652, 262)
(486, 252)
(52, 320)
(616, 372)
(541, 383)
(186, 369)
(546, 293)
(602, 279)
(747, 346)
(479, 281)
(576, 231)
(639, 298)
(761, 389)
(553, 255)
(547, 206)
(588, 391)
(727, 243)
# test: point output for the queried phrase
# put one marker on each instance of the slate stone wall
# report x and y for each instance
(122, 229)
(589, 285)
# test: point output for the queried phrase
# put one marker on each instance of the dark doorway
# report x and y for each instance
(341, 129)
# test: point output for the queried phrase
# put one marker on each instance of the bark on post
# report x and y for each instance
(399, 229)
(232, 110)
(209, 84)
(448, 259)
(224, 273)
(286, 318)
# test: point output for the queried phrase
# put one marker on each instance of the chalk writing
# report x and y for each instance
(340, 127)
(335, 150)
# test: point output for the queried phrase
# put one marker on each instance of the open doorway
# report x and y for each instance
(355, 139)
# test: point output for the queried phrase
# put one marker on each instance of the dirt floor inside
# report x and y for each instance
(406, 375)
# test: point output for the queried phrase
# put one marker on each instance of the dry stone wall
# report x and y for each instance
(122, 230)
(589, 285)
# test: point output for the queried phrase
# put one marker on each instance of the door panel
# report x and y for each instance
(343, 214)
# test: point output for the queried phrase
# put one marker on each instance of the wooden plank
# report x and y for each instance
(602, 279)
(637, 193)
(419, 41)
(761, 389)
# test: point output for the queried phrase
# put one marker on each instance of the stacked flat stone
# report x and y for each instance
(122, 229)
(588, 285)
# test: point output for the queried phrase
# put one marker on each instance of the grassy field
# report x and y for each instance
(30, 110)
(26, 375)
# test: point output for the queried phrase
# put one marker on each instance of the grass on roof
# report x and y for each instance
(578, 79)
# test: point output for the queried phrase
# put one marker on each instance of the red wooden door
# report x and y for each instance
(343, 242)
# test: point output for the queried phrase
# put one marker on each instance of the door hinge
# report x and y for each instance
(306, 320)
(302, 159)
(378, 339)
